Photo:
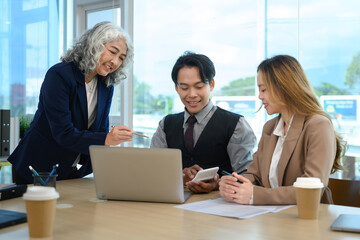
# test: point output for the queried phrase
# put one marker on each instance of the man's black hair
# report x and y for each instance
(190, 59)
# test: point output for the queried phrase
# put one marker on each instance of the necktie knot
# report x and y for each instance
(191, 120)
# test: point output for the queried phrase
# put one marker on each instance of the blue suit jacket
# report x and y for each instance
(59, 130)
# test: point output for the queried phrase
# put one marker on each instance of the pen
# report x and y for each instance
(226, 173)
(141, 135)
(52, 173)
(36, 174)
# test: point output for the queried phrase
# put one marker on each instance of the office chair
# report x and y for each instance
(345, 192)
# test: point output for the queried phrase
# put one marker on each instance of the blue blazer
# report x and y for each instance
(59, 131)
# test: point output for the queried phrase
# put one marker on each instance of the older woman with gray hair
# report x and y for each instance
(74, 106)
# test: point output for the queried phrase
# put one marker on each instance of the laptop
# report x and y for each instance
(346, 223)
(138, 174)
(10, 218)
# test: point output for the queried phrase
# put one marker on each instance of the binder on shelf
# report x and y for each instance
(14, 133)
(5, 132)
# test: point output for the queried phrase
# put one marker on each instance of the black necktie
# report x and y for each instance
(188, 138)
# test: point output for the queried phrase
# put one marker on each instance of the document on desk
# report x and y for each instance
(224, 208)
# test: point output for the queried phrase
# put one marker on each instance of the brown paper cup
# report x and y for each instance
(40, 216)
(308, 193)
(308, 201)
(40, 209)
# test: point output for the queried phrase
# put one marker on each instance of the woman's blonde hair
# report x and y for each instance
(286, 81)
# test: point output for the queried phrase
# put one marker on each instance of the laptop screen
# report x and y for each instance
(138, 174)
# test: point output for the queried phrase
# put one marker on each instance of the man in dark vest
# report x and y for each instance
(207, 135)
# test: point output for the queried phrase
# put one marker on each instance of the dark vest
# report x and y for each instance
(211, 148)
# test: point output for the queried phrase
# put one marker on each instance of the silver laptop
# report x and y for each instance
(138, 174)
(346, 223)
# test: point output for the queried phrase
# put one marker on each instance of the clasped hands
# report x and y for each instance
(233, 191)
(229, 188)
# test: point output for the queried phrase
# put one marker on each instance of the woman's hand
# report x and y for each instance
(233, 191)
(118, 134)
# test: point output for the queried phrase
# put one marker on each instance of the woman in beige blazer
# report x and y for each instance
(300, 142)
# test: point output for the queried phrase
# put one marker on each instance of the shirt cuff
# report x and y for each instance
(251, 202)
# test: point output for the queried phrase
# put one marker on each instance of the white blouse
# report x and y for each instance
(279, 131)
(91, 96)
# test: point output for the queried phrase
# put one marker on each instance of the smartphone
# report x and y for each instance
(206, 174)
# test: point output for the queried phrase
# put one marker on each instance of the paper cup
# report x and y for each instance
(40, 208)
(308, 194)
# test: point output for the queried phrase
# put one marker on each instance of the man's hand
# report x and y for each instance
(201, 187)
(190, 172)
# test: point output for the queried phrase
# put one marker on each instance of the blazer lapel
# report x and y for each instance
(270, 141)
(81, 93)
(289, 144)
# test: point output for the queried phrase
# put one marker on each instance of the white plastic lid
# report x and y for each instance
(40, 193)
(308, 182)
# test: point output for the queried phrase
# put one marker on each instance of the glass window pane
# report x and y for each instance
(27, 51)
(330, 55)
(281, 28)
(96, 16)
(225, 31)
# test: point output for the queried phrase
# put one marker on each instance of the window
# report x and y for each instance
(226, 31)
(106, 12)
(329, 34)
(91, 12)
(29, 45)
(236, 35)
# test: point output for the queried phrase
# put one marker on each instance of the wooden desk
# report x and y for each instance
(91, 219)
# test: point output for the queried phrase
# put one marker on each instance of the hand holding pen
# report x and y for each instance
(138, 134)
(120, 134)
(227, 173)
(232, 191)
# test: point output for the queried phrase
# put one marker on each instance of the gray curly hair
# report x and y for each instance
(87, 50)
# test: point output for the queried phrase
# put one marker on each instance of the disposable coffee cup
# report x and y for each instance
(40, 204)
(308, 194)
(45, 179)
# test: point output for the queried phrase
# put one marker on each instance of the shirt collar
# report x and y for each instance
(200, 115)
(279, 130)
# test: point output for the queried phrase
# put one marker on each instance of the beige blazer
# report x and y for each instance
(309, 151)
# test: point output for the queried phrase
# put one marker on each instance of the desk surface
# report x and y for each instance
(90, 218)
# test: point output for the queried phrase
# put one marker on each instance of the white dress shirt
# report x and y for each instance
(91, 96)
(279, 131)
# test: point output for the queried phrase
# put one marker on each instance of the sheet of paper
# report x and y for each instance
(224, 208)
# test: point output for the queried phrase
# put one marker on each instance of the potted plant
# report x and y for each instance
(24, 124)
